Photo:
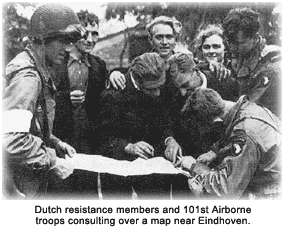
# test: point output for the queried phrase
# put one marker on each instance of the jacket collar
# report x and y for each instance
(75, 55)
(234, 112)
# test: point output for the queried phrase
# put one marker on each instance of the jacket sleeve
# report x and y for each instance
(232, 176)
(109, 129)
(19, 145)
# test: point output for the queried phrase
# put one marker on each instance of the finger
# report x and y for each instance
(200, 159)
(174, 155)
(146, 150)
(179, 152)
(120, 83)
(218, 72)
(77, 98)
(178, 155)
(123, 78)
(167, 154)
(141, 155)
(148, 146)
(228, 73)
(211, 67)
(224, 72)
(71, 152)
(113, 83)
(178, 163)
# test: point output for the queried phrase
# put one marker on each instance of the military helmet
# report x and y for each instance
(51, 20)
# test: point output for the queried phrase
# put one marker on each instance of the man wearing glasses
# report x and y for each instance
(82, 82)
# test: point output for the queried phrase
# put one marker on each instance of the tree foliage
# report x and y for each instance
(15, 30)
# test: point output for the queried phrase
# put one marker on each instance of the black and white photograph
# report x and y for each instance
(141, 101)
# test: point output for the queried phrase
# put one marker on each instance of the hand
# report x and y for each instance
(219, 70)
(185, 162)
(77, 97)
(207, 157)
(63, 168)
(63, 149)
(118, 79)
(173, 150)
(185, 62)
(141, 149)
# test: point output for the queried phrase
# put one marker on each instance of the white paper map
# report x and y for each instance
(139, 166)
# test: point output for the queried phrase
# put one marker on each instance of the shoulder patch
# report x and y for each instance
(237, 148)
(238, 141)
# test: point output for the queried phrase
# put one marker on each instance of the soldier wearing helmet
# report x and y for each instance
(31, 153)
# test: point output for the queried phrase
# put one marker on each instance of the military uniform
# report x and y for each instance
(248, 157)
(28, 104)
(259, 76)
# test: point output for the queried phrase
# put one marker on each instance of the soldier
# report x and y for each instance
(30, 150)
(257, 65)
(247, 159)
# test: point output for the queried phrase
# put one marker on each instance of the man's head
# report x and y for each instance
(55, 27)
(91, 24)
(204, 103)
(163, 33)
(241, 28)
(183, 74)
(148, 72)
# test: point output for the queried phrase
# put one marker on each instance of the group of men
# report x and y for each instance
(160, 107)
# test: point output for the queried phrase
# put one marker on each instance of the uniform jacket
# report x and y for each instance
(29, 93)
(259, 76)
(129, 116)
(249, 156)
(98, 75)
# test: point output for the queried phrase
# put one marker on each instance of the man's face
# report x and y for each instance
(87, 44)
(213, 49)
(163, 40)
(240, 45)
(186, 83)
(57, 51)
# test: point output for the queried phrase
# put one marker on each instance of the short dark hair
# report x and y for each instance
(204, 103)
(85, 17)
(241, 19)
(148, 70)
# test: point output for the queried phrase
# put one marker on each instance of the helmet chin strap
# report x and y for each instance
(40, 50)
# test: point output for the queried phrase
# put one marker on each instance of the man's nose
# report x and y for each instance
(211, 49)
(164, 40)
(89, 37)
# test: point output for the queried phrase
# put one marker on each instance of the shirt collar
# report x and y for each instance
(77, 56)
